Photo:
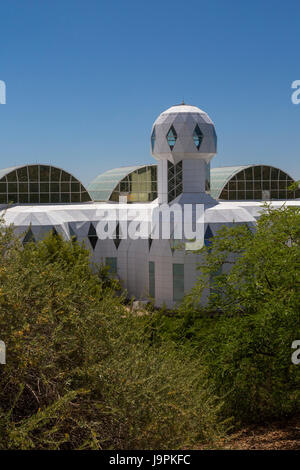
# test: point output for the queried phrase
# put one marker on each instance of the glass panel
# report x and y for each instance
(54, 197)
(12, 187)
(85, 197)
(153, 173)
(171, 195)
(178, 282)
(75, 187)
(44, 173)
(44, 198)
(266, 170)
(34, 198)
(266, 185)
(232, 195)
(282, 176)
(3, 187)
(274, 173)
(172, 184)
(124, 186)
(22, 174)
(282, 194)
(44, 187)
(65, 197)
(153, 139)
(75, 197)
(23, 187)
(274, 194)
(249, 173)
(33, 171)
(171, 137)
(257, 195)
(257, 172)
(13, 198)
(54, 187)
(152, 279)
(65, 187)
(197, 136)
(55, 174)
(178, 178)
(34, 187)
(224, 194)
(12, 176)
(65, 176)
(208, 237)
(25, 181)
(241, 176)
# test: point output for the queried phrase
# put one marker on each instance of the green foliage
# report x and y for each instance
(294, 186)
(256, 307)
(82, 372)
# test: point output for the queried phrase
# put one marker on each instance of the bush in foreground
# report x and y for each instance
(81, 372)
(256, 303)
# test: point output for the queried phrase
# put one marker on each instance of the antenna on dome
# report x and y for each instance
(183, 102)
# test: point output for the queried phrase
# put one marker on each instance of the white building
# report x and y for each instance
(183, 141)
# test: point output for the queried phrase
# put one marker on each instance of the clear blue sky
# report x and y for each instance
(86, 79)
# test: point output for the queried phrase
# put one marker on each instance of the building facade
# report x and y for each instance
(183, 141)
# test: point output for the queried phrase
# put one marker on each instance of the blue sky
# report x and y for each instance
(87, 78)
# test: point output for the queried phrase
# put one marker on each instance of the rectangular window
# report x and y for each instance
(152, 279)
(178, 282)
(112, 263)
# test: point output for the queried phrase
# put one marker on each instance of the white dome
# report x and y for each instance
(184, 108)
(183, 131)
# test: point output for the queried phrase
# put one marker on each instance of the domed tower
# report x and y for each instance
(183, 140)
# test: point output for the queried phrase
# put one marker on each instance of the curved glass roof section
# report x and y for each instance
(251, 182)
(40, 184)
(220, 176)
(138, 183)
(231, 183)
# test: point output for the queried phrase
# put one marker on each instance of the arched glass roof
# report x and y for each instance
(38, 184)
(251, 182)
(220, 176)
(244, 182)
(138, 183)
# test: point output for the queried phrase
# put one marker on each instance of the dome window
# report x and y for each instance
(117, 239)
(153, 139)
(92, 236)
(208, 237)
(197, 136)
(29, 237)
(171, 137)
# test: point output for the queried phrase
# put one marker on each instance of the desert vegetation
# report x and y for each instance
(84, 372)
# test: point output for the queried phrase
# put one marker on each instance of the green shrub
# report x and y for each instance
(256, 303)
(81, 372)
